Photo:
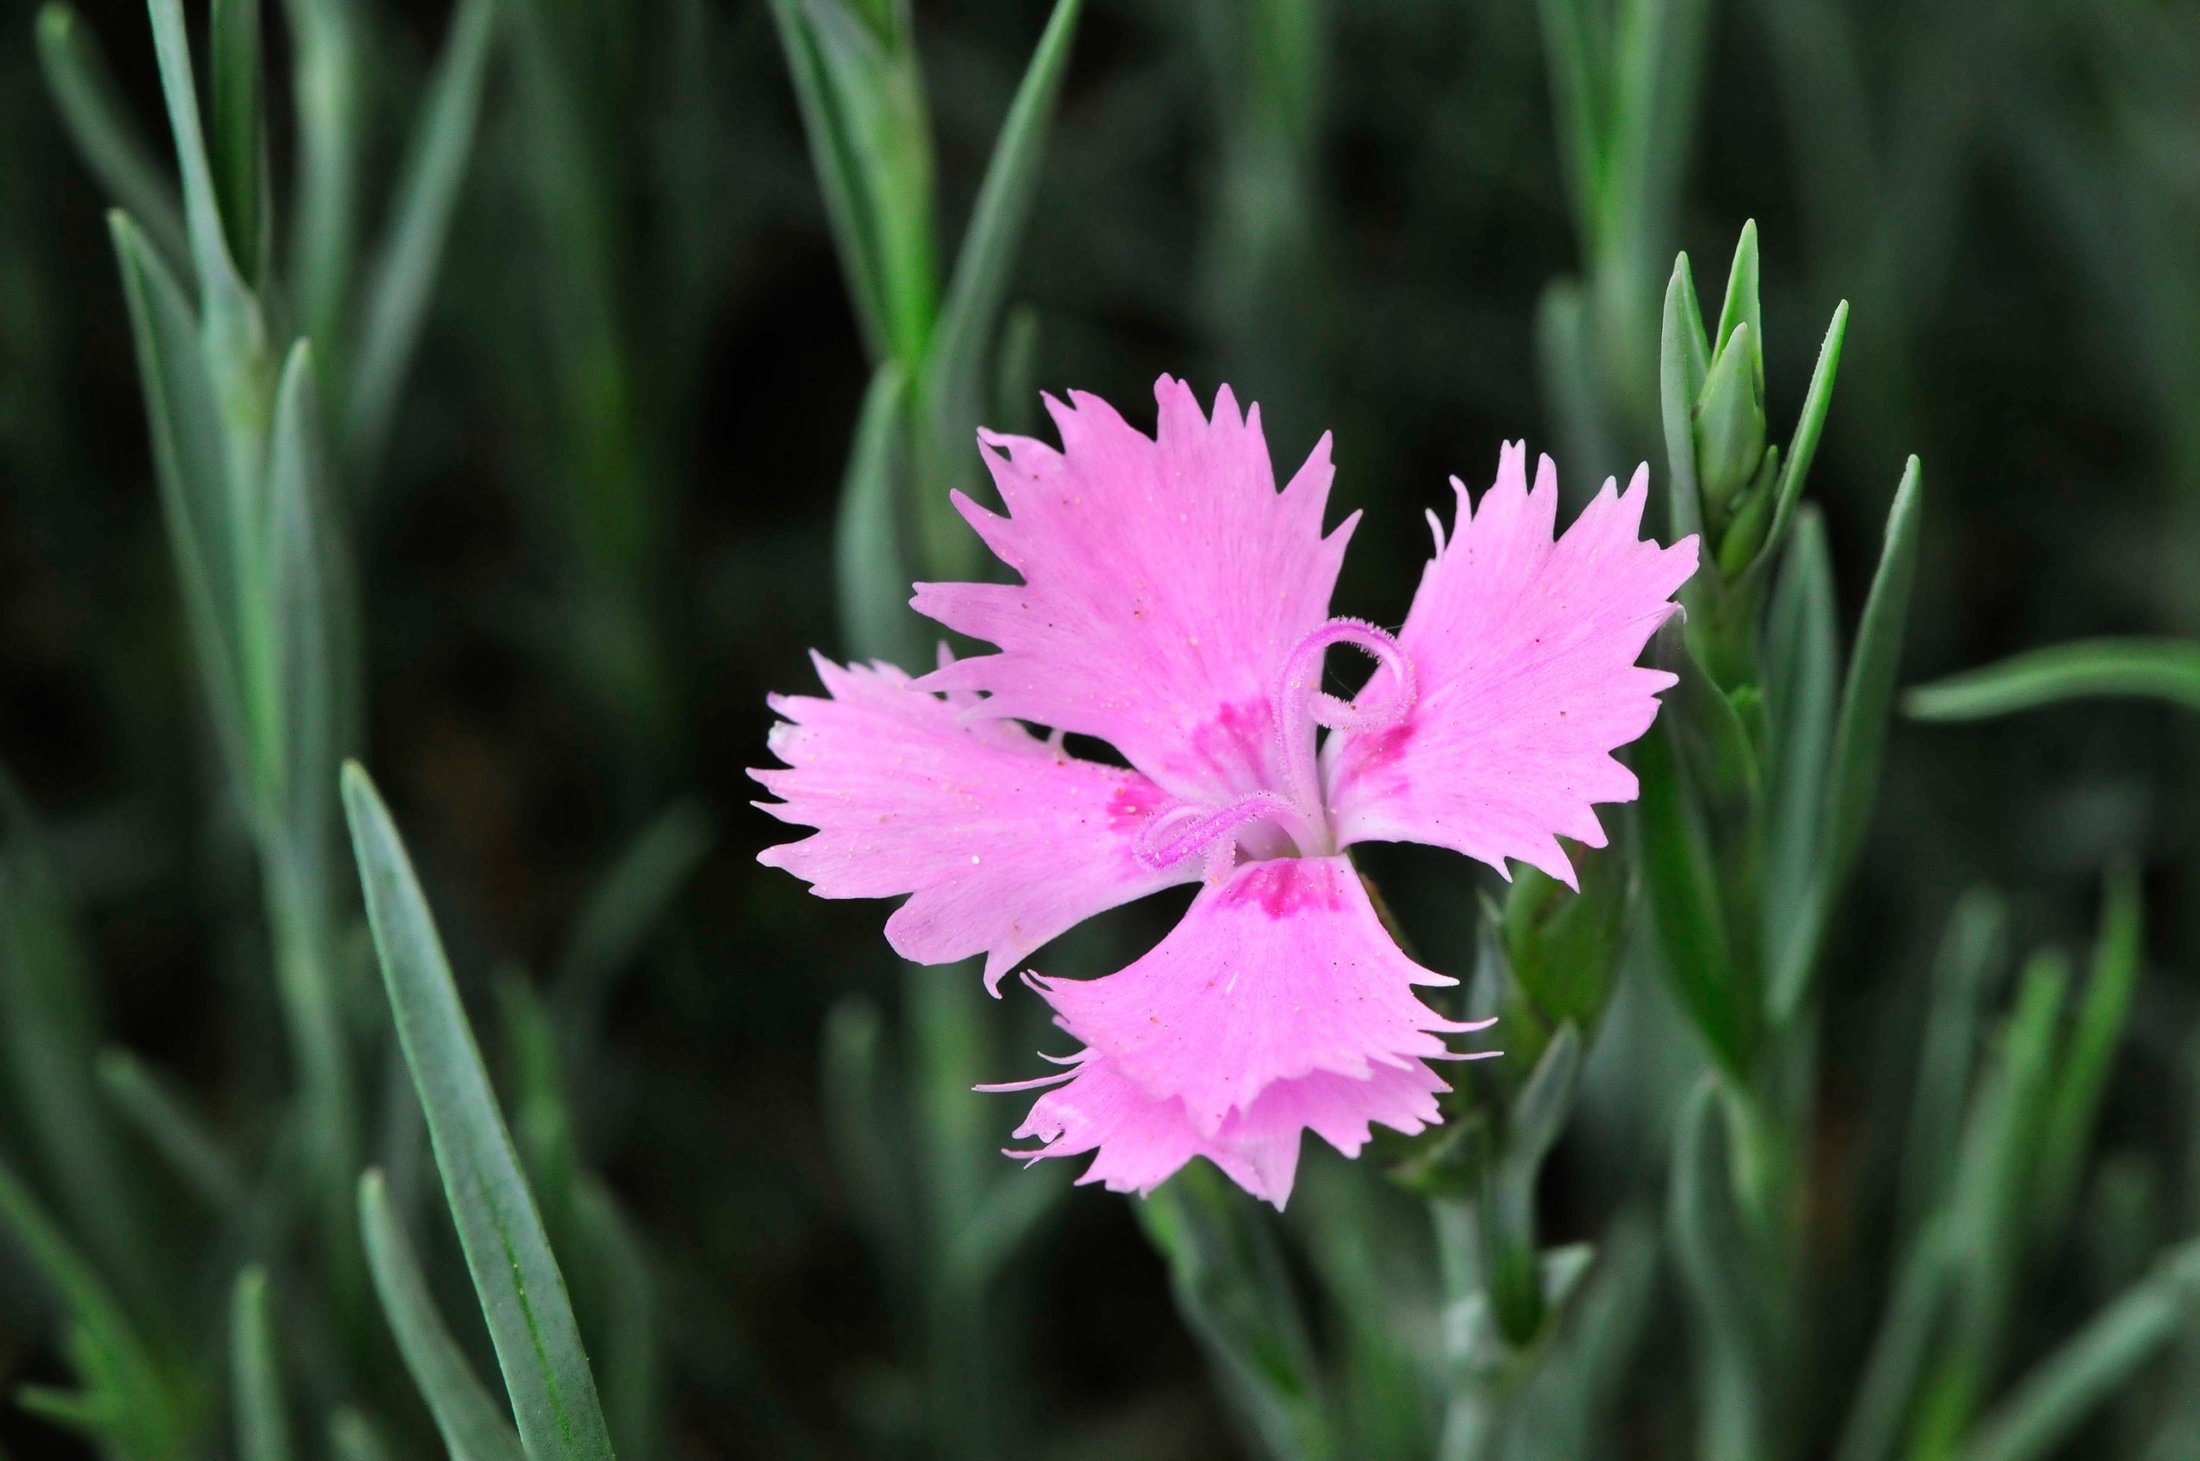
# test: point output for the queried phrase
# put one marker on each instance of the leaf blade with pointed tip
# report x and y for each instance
(1803, 445)
(1861, 732)
(472, 1424)
(522, 1291)
(397, 294)
(263, 1432)
(1682, 361)
(99, 122)
(237, 144)
(2163, 669)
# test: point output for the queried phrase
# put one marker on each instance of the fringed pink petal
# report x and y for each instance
(1165, 583)
(1526, 654)
(1001, 840)
(1139, 1141)
(1281, 971)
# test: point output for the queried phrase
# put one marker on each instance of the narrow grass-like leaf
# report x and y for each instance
(49, 1030)
(833, 155)
(1576, 85)
(1505, 1209)
(168, 1124)
(629, 901)
(1803, 446)
(1861, 732)
(352, 1437)
(1989, 1209)
(99, 122)
(401, 282)
(237, 140)
(1802, 677)
(631, 1315)
(1901, 1348)
(1715, 1247)
(472, 1424)
(1570, 1392)
(1681, 365)
(1742, 305)
(1680, 875)
(1962, 979)
(222, 292)
(2049, 1403)
(523, 1294)
(876, 91)
(2165, 669)
(2087, 1061)
(256, 1381)
(870, 545)
(1233, 1289)
(191, 459)
(864, 1127)
(954, 375)
(126, 1398)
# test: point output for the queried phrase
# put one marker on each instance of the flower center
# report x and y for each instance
(1301, 812)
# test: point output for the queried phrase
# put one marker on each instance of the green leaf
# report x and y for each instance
(1989, 1209)
(127, 1399)
(50, 1028)
(2048, 1404)
(473, 1425)
(874, 91)
(870, 559)
(865, 1129)
(630, 900)
(232, 317)
(2087, 1061)
(263, 1431)
(1742, 306)
(99, 122)
(1861, 732)
(631, 1315)
(308, 613)
(1802, 672)
(1803, 446)
(401, 281)
(833, 155)
(1577, 86)
(1902, 1346)
(1682, 362)
(1235, 1293)
(955, 379)
(1577, 1380)
(352, 1437)
(2165, 669)
(239, 134)
(191, 456)
(1962, 982)
(1680, 877)
(1716, 1248)
(1505, 1207)
(1565, 947)
(165, 1120)
(523, 1294)
(1729, 425)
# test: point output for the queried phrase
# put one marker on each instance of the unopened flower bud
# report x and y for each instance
(1730, 424)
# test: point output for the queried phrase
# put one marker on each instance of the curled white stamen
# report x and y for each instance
(1184, 830)
(1302, 704)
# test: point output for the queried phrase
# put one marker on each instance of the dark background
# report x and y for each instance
(2008, 194)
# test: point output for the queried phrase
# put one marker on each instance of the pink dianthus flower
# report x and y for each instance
(1176, 605)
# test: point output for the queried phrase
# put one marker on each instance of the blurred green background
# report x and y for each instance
(600, 526)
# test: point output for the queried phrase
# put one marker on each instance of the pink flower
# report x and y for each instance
(1176, 605)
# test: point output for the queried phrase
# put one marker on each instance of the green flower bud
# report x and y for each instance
(1730, 424)
(1752, 518)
